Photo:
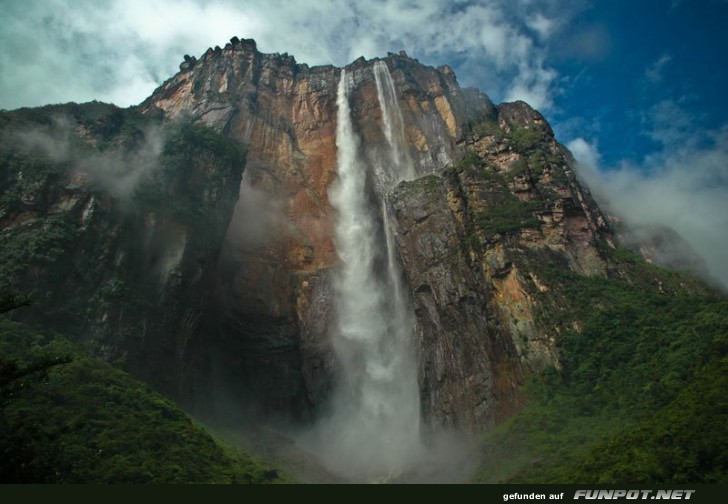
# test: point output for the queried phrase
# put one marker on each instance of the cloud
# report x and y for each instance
(586, 153)
(682, 186)
(588, 43)
(120, 50)
(670, 124)
(118, 171)
(257, 220)
(52, 141)
(542, 25)
(655, 72)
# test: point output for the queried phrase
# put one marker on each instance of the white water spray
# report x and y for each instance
(374, 428)
(402, 167)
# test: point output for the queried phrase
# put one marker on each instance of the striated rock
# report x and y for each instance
(469, 242)
(188, 63)
(465, 360)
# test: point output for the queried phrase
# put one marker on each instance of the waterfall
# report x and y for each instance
(373, 430)
(402, 167)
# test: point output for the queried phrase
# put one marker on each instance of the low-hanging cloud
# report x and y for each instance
(117, 171)
(682, 186)
(120, 172)
(257, 220)
(120, 50)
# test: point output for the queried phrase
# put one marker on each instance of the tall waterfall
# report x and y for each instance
(374, 426)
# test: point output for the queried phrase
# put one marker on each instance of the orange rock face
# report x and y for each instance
(477, 332)
(285, 114)
(275, 264)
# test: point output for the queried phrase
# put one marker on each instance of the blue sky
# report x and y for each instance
(654, 51)
(635, 88)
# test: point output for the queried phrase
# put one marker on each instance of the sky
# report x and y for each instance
(635, 88)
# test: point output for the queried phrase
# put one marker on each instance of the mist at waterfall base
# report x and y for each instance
(372, 431)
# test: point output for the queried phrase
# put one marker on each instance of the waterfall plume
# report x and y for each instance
(373, 430)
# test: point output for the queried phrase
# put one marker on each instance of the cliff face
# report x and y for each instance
(275, 291)
(471, 240)
(114, 221)
(476, 300)
(247, 321)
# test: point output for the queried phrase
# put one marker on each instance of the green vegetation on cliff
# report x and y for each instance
(508, 216)
(639, 398)
(505, 213)
(119, 252)
(642, 351)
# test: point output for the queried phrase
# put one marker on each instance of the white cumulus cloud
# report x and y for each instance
(119, 50)
(683, 186)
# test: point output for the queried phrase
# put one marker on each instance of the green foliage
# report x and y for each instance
(471, 162)
(186, 191)
(67, 417)
(430, 185)
(488, 127)
(23, 178)
(11, 302)
(508, 216)
(518, 168)
(637, 401)
(15, 375)
(190, 140)
(108, 125)
(179, 190)
(87, 422)
(526, 139)
(506, 213)
(684, 442)
(37, 244)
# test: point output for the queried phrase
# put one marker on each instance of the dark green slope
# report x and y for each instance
(84, 421)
